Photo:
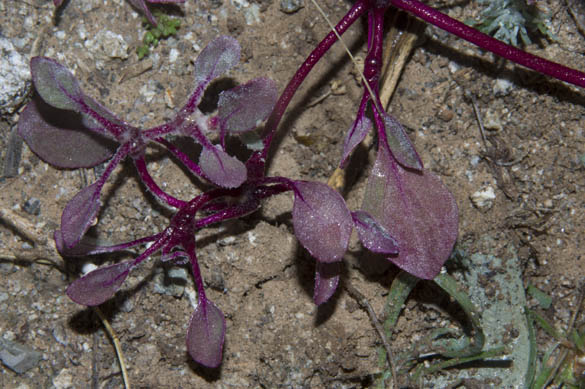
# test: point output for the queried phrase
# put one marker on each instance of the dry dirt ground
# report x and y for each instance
(253, 268)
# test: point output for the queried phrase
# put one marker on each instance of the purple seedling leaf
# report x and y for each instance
(79, 214)
(417, 210)
(374, 236)
(326, 281)
(206, 334)
(57, 3)
(219, 56)
(56, 84)
(400, 145)
(221, 168)
(244, 107)
(60, 138)
(321, 220)
(141, 5)
(99, 285)
(355, 136)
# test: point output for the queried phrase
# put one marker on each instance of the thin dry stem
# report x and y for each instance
(363, 302)
(117, 346)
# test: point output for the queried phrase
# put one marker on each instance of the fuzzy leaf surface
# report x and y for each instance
(56, 84)
(99, 285)
(244, 107)
(326, 281)
(219, 56)
(221, 168)
(373, 235)
(79, 214)
(206, 334)
(417, 210)
(400, 145)
(321, 220)
(60, 138)
(356, 134)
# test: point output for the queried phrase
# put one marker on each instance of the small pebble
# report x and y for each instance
(291, 6)
(484, 198)
(18, 357)
(32, 206)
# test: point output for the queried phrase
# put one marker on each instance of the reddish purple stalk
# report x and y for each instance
(429, 15)
(488, 43)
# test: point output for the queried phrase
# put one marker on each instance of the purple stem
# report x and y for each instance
(350, 17)
(145, 176)
(486, 42)
(114, 129)
(181, 157)
(122, 246)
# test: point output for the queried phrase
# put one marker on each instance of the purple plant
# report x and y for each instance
(416, 218)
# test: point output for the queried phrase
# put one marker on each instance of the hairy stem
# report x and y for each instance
(486, 42)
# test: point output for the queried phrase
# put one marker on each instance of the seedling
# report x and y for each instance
(166, 27)
(407, 213)
(141, 5)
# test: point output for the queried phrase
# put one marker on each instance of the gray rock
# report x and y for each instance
(14, 77)
(291, 6)
(32, 206)
(18, 357)
(171, 282)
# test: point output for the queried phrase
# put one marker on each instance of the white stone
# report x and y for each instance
(484, 198)
(14, 76)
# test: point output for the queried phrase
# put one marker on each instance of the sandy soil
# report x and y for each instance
(253, 268)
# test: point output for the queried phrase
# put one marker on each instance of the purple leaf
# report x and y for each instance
(219, 56)
(141, 5)
(321, 220)
(60, 138)
(400, 145)
(417, 210)
(57, 2)
(373, 235)
(326, 281)
(56, 84)
(355, 135)
(244, 107)
(101, 111)
(82, 248)
(99, 285)
(206, 334)
(222, 169)
(79, 214)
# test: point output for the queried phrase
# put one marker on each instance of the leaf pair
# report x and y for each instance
(323, 225)
(391, 133)
(410, 203)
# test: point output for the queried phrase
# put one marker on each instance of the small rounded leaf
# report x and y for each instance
(79, 214)
(99, 285)
(358, 131)
(400, 144)
(221, 168)
(56, 84)
(219, 56)
(206, 334)
(244, 107)
(321, 220)
(326, 281)
(417, 210)
(60, 138)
